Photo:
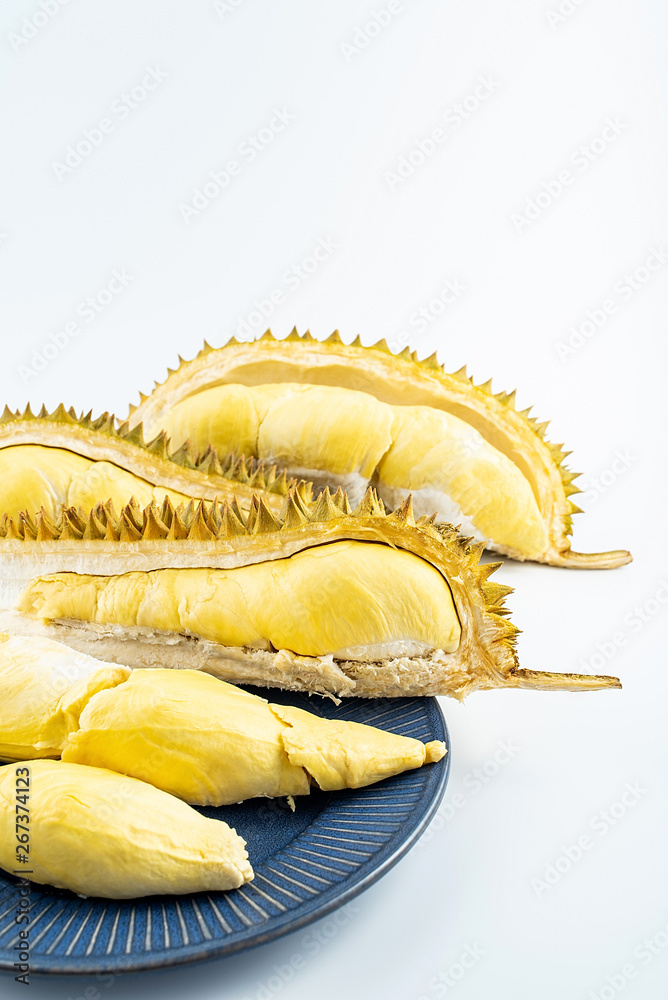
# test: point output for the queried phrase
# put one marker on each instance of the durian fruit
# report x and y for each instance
(99, 833)
(44, 685)
(351, 415)
(61, 459)
(213, 744)
(321, 598)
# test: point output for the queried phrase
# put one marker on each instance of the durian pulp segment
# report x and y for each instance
(305, 425)
(104, 481)
(211, 743)
(34, 476)
(99, 833)
(340, 754)
(435, 453)
(346, 598)
(341, 436)
(190, 734)
(308, 427)
(44, 686)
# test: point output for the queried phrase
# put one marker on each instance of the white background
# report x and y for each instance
(527, 285)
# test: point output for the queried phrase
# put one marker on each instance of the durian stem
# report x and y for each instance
(594, 560)
(548, 681)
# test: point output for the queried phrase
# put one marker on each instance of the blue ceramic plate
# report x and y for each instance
(306, 864)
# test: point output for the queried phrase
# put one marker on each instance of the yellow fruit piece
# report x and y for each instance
(32, 477)
(231, 418)
(528, 469)
(44, 686)
(323, 429)
(402, 608)
(103, 479)
(448, 466)
(213, 744)
(190, 734)
(339, 754)
(315, 429)
(392, 598)
(99, 833)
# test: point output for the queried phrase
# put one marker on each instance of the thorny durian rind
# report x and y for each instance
(222, 537)
(205, 475)
(399, 379)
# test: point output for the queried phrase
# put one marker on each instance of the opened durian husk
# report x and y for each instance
(534, 483)
(428, 619)
(60, 458)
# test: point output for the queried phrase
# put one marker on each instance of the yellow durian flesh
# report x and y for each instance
(325, 429)
(312, 428)
(224, 416)
(340, 754)
(436, 452)
(347, 598)
(44, 686)
(190, 734)
(104, 481)
(32, 476)
(211, 743)
(99, 833)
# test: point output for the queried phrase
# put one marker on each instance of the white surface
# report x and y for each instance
(513, 297)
